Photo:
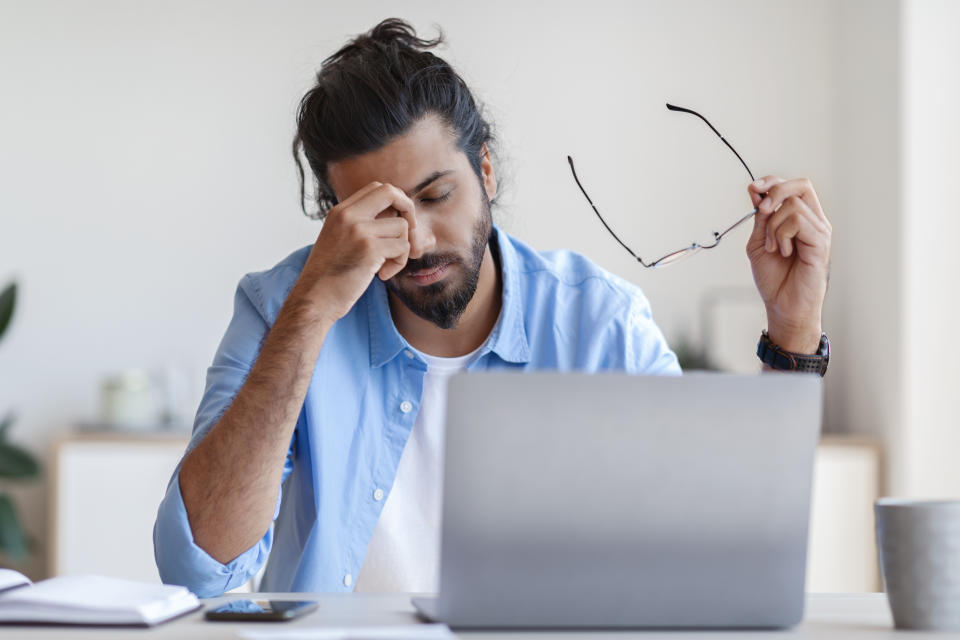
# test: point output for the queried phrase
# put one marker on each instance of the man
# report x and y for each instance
(318, 439)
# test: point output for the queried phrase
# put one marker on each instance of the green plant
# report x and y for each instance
(691, 358)
(15, 463)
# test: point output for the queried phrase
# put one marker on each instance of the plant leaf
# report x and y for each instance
(16, 462)
(12, 541)
(7, 301)
(5, 425)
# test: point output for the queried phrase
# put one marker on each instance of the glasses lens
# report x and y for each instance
(670, 258)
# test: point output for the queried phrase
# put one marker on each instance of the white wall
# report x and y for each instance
(145, 162)
(928, 446)
(866, 294)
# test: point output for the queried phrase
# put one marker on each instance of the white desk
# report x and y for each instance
(827, 616)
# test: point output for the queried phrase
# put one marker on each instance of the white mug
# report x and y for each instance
(919, 546)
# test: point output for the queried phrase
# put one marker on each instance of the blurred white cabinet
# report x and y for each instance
(106, 488)
(842, 554)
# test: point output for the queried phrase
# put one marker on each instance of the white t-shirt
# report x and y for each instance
(404, 552)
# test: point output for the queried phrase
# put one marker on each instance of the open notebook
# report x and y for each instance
(93, 600)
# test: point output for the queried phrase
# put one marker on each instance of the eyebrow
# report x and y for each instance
(436, 175)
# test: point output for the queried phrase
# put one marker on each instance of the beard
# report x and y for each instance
(443, 302)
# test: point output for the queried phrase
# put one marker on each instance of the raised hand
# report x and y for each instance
(789, 253)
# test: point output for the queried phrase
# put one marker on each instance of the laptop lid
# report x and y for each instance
(611, 500)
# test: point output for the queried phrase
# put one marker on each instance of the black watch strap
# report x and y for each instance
(781, 360)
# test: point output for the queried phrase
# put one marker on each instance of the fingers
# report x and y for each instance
(389, 241)
(379, 216)
(778, 190)
(776, 201)
(782, 237)
(396, 251)
(794, 222)
(359, 193)
(387, 228)
(384, 196)
(758, 188)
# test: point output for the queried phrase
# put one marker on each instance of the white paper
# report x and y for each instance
(408, 632)
(10, 579)
(95, 600)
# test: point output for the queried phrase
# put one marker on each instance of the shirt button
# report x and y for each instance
(406, 407)
(408, 353)
(378, 495)
(347, 580)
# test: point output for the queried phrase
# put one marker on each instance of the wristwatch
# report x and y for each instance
(781, 360)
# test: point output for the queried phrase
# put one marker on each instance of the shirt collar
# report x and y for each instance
(508, 338)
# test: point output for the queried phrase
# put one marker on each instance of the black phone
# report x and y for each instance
(260, 610)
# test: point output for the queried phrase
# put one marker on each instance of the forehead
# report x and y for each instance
(404, 162)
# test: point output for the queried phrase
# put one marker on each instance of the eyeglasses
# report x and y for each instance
(673, 256)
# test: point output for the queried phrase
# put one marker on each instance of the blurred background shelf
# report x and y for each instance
(846, 482)
(105, 490)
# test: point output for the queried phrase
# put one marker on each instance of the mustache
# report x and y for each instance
(429, 261)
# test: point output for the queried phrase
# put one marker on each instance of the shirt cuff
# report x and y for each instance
(180, 561)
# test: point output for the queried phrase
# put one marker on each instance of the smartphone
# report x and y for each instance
(260, 610)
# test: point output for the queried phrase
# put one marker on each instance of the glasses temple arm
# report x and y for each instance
(672, 107)
(602, 221)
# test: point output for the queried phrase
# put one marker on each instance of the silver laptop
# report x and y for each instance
(608, 500)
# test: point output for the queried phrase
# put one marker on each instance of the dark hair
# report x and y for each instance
(372, 91)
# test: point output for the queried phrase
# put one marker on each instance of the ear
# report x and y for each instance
(486, 170)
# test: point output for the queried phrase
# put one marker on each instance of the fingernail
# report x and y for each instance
(758, 183)
(764, 205)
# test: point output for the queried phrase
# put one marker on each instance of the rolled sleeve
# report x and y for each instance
(179, 559)
(182, 562)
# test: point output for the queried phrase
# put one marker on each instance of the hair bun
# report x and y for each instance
(396, 31)
(392, 33)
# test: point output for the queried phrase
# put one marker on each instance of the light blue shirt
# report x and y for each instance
(559, 312)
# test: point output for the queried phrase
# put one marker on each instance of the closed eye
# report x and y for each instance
(438, 199)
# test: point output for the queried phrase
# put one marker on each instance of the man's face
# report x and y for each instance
(452, 210)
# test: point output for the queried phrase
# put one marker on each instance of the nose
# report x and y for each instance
(422, 239)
